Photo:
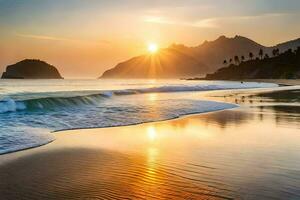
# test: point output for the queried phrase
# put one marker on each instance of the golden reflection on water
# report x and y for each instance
(152, 96)
(152, 81)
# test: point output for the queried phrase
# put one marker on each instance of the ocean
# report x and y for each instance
(32, 111)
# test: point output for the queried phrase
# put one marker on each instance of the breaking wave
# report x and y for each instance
(11, 105)
(48, 103)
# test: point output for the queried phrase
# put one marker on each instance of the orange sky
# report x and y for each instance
(84, 38)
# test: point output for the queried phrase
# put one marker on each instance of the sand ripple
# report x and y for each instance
(94, 174)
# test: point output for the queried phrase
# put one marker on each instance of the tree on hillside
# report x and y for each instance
(251, 56)
(230, 60)
(298, 51)
(284, 66)
(275, 52)
(225, 62)
(236, 60)
(261, 53)
(267, 56)
(242, 58)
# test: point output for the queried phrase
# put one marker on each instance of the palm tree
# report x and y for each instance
(274, 52)
(251, 56)
(277, 52)
(225, 62)
(267, 56)
(261, 53)
(236, 60)
(242, 58)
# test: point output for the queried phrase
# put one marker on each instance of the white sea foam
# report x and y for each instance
(200, 87)
(9, 105)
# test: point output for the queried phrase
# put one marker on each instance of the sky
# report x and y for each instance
(83, 38)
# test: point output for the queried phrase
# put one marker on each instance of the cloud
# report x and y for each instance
(43, 37)
(205, 23)
(215, 22)
(249, 17)
(52, 38)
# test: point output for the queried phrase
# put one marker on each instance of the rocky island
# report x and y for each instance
(31, 69)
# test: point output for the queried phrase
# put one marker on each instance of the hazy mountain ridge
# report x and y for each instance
(159, 65)
(191, 61)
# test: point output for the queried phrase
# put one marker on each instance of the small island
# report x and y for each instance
(31, 69)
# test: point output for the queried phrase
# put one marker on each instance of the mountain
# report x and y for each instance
(31, 69)
(281, 66)
(168, 63)
(179, 61)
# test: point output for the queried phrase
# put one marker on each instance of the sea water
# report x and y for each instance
(32, 110)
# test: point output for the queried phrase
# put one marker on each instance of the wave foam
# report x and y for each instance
(11, 105)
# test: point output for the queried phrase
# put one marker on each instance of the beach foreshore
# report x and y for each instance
(282, 82)
(230, 154)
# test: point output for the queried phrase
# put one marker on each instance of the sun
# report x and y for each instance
(152, 47)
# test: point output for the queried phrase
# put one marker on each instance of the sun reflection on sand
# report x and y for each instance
(152, 152)
(151, 133)
(150, 172)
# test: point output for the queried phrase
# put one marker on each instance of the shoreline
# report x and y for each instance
(197, 156)
(129, 125)
(280, 82)
(169, 119)
(238, 106)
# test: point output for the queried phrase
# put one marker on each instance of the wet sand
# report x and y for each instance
(251, 152)
(287, 82)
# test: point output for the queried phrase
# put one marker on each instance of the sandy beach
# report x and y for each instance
(230, 154)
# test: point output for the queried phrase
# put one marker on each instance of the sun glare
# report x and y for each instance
(152, 47)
